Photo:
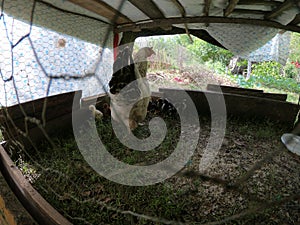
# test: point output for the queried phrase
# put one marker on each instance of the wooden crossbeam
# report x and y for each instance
(277, 11)
(149, 8)
(229, 9)
(203, 19)
(103, 9)
(260, 2)
(249, 11)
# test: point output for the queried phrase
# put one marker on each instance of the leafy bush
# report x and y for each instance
(286, 84)
(204, 51)
(290, 71)
(267, 69)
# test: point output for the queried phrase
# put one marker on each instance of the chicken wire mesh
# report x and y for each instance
(39, 56)
(46, 51)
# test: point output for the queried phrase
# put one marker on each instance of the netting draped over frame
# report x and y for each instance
(42, 59)
(277, 49)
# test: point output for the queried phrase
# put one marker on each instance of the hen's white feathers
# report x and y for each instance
(129, 106)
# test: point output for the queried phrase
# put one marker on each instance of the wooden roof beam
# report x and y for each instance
(296, 21)
(260, 2)
(250, 11)
(152, 24)
(149, 8)
(206, 7)
(277, 11)
(229, 9)
(102, 9)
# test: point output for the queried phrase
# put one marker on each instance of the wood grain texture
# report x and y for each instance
(242, 106)
(278, 10)
(33, 202)
(229, 9)
(149, 8)
(103, 9)
(153, 24)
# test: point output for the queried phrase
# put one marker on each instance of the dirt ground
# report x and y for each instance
(252, 180)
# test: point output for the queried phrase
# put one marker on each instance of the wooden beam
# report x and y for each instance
(149, 8)
(230, 7)
(206, 7)
(203, 19)
(102, 9)
(277, 11)
(33, 202)
(260, 2)
(179, 7)
(249, 11)
(296, 21)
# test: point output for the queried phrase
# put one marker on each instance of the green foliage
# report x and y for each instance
(295, 47)
(290, 71)
(178, 48)
(205, 51)
(285, 84)
(267, 69)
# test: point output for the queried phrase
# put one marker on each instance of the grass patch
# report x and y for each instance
(64, 178)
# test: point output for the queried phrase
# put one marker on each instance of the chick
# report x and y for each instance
(95, 112)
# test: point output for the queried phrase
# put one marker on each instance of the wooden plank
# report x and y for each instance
(180, 7)
(277, 11)
(103, 9)
(11, 210)
(35, 108)
(296, 21)
(249, 11)
(229, 9)
(230, 89)
(156, 23)
(87, 101)
(259, 2)
(149, 8)
(245, 91)
(206, 7)
(59, 106)
(32, 201)
(247, 107)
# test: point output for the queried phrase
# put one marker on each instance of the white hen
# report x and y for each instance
(130, 105)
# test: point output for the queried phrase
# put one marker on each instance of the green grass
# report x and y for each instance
(65, 180)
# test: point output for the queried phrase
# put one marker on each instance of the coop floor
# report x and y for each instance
(224, 193)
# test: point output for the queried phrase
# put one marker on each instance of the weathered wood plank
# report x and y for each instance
(156, 23)
(35, 108)
(245, 91)
(207, 7)
(248, 107)
(149, 8)
(259, 2)
(102, 9)
(11, 210)
(58, 116)
(296, 21)
(230, 89)
(229, 9)
(33, 202)
(277, 11)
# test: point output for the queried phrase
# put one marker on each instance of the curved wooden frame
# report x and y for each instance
(41, 211)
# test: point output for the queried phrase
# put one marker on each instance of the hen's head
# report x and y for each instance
(143, 54)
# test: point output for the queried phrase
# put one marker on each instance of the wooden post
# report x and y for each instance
(249, 70)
